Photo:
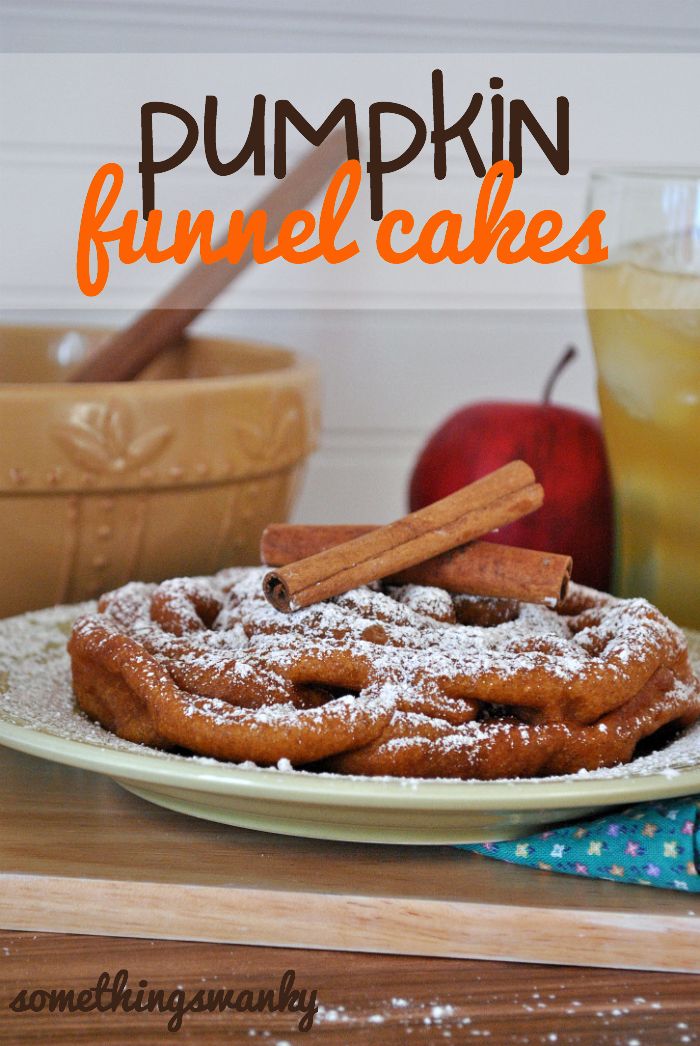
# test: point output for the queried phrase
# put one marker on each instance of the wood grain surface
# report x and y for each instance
(80, 855)
(362, 1000)
(75, 833)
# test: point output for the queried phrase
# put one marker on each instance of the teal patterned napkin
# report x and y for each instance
(653, 844)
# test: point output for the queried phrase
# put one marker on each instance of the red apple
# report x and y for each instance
(565, 449)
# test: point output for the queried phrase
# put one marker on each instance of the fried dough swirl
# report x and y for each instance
(408, 681)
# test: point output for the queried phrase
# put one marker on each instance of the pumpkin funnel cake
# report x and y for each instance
(401, 680)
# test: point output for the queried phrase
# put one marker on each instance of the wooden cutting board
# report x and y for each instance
(80, 855)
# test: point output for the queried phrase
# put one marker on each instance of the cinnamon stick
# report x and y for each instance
(125, 353)
(481, 568)
(493, 501)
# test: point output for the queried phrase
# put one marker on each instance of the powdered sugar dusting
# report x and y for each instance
(36, 692)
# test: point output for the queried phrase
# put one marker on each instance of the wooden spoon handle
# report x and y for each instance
(124, 354)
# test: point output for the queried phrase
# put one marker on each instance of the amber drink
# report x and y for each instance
(644, 316)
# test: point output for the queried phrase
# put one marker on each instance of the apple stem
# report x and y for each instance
(570, 353)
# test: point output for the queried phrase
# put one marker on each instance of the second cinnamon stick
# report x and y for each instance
(493, 501)
(481, 568)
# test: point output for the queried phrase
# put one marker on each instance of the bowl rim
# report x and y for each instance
(299, 364)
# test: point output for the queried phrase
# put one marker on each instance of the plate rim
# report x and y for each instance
(340, 790)
(402, 794)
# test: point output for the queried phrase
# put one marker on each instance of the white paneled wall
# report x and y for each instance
(392, 375)
(365, 25)
(394, 369)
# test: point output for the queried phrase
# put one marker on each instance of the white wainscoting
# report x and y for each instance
(390, 374)
(365, 25)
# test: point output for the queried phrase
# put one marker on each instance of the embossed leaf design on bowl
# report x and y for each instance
(267, 444)
(100, 438)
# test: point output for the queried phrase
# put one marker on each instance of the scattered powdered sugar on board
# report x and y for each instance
(404, 1012)
(36, 693)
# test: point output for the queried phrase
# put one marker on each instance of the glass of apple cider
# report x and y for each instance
(644, 316)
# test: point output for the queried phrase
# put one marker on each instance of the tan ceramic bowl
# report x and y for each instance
(177, 473)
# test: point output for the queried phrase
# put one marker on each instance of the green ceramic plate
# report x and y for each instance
(37, 716)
